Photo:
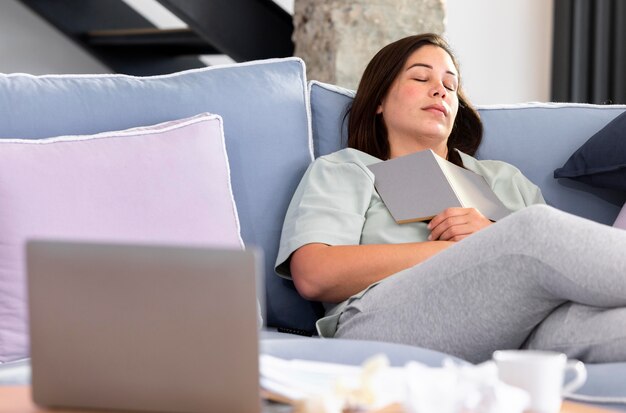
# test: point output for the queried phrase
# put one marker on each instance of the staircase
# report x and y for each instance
(125, 41)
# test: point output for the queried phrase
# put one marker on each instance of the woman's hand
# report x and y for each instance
(454, 224)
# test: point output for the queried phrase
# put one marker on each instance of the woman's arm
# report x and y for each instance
(333, 273)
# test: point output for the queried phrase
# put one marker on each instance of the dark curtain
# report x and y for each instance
(589, 51)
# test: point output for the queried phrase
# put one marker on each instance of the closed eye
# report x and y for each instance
(448, 87)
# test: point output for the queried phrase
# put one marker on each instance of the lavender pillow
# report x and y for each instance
(169, 183)
(620, 222)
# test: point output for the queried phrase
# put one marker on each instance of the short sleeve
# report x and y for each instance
(328, 207)
(513, 188)
(529, 192)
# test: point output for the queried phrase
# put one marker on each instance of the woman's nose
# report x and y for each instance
(438, 90)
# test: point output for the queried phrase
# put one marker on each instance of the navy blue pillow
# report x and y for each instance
(601, 161)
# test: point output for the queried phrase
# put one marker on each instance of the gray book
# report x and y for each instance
(421, 185)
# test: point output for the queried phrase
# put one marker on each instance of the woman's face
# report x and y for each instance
(421, 104)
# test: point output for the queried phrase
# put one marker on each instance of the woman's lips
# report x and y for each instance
(437, 109)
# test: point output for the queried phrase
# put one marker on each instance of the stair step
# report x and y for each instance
(151, 40)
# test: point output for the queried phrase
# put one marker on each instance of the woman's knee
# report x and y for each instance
(535, 218)
(537, 212)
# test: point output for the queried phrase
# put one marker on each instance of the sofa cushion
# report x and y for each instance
(354, 352)
(535, 137)
(539, 137)
(602, 388)
(329, 105)
(163, 184)
(601, 160)
(264, 106)
(620, 221)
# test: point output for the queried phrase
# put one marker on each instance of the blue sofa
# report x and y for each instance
(275, 123)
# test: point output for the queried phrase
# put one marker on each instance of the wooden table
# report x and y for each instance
(16, 399)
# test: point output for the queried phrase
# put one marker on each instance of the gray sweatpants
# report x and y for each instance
(539, 278)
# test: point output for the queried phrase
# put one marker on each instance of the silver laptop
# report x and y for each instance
(148, 328)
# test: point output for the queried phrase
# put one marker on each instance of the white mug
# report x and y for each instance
(541, 374)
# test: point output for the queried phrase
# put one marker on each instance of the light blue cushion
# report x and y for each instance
(329, 104)
(353, 352)
(604, 386)
(536, 138)
(264, 106)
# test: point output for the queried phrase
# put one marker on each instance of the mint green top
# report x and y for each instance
(336, 204)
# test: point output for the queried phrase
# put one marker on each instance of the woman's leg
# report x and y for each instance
(592, 334)
(492, 289)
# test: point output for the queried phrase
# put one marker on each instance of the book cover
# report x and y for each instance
(418, 186)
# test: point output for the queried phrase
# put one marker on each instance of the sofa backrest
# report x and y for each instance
(535, 137)
(265, 111)
(539, 138)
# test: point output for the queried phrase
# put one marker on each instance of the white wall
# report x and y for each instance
(30, 45)
(504, 48)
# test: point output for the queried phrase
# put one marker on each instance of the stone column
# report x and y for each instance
(337, 38)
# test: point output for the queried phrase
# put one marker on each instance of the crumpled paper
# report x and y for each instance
(376, 386)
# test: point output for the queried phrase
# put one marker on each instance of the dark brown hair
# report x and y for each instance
(367, 131)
